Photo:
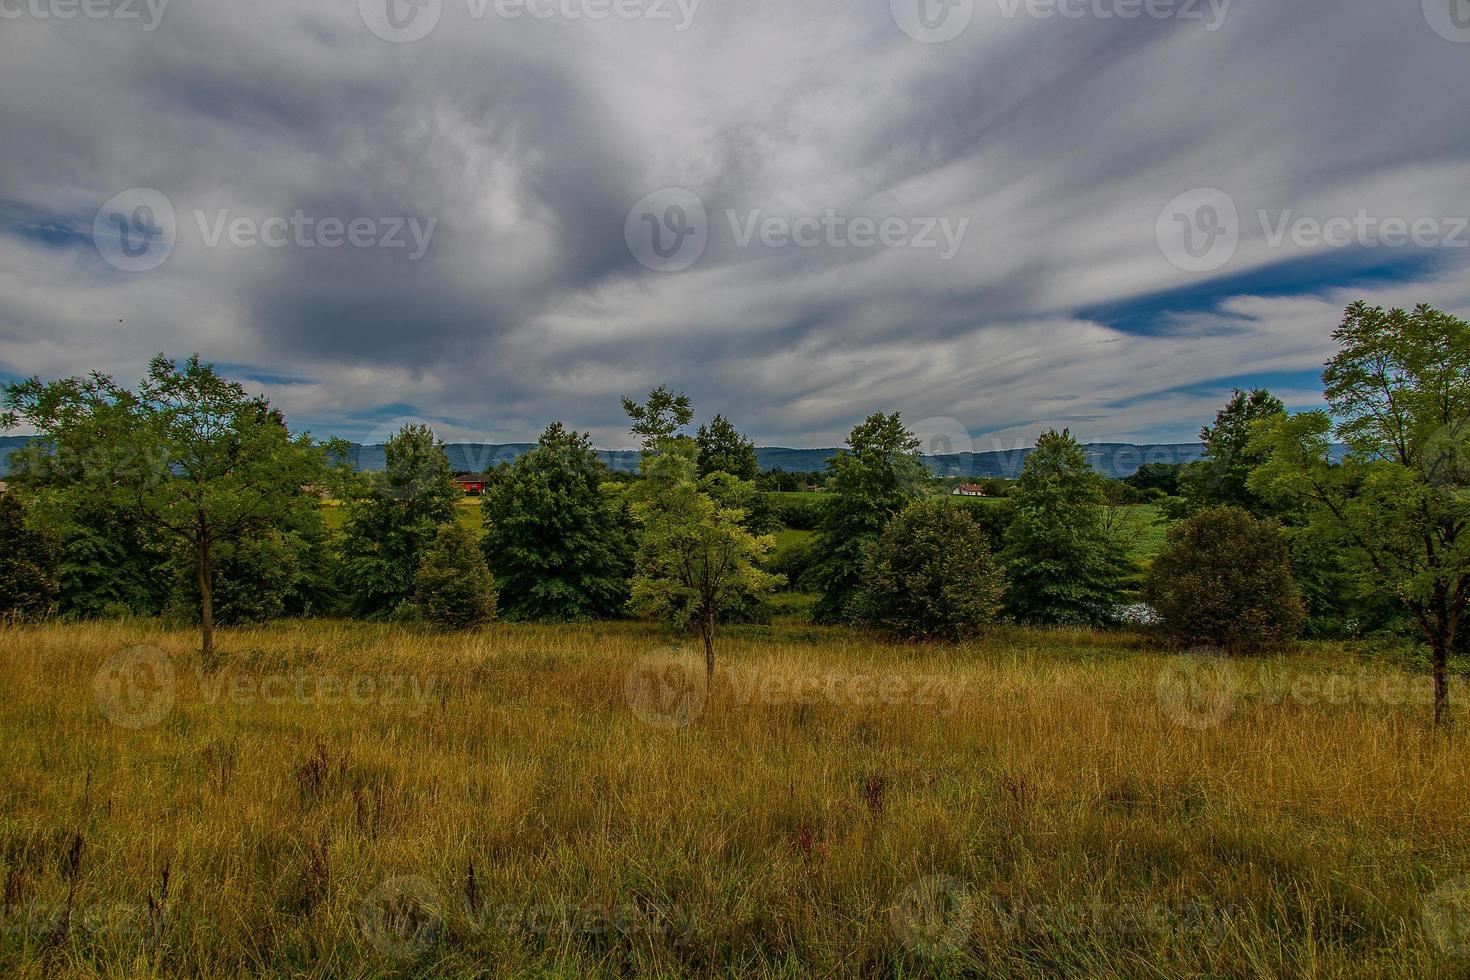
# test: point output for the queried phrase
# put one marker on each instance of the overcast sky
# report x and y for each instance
(994, 215)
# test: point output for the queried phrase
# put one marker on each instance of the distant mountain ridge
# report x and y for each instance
(1113, 459)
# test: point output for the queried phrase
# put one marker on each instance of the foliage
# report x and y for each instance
(878, 475)
(722, 449)
(453, 587)
(1221, 477)
(660, 418)
(393, 519)
(560, 547)
(1156, 479)
(29, 564)
(798, 511)
(111, 563)
(194, 458)
(695, 556)
(931, 576)
(1397, 510)
(1063, 564)
(285, 571)
(1224, 578)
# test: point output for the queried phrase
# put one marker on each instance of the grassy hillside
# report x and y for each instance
(353, 800)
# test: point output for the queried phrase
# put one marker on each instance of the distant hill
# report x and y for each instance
(1114, 459)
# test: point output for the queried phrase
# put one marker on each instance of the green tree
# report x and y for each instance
(1398, 507)
(1224, 577)
(453, 587)
(560, 546)
(29, 564)
(722, 449)
(660, 418)
(1221, 477)
(930, 575)
(191, 455)
(393, 519)
(1063, 564)
(877, 476)
(695, 556)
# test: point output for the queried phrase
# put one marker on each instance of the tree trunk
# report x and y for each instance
(1441, 680)
(206, 597)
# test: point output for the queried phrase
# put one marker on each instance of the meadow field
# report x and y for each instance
(346, 799)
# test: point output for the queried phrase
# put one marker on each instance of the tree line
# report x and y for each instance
(190, 495)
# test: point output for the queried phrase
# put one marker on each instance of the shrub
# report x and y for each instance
(28, 564)
(454, 588)
(1224, 577)
(931, 575)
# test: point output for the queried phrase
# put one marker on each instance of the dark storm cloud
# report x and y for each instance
(523, 143)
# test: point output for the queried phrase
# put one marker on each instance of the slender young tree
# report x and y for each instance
(695, 556)
(190, 454)
(1398, 507)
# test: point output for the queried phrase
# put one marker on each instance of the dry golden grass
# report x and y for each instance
(1028, 806)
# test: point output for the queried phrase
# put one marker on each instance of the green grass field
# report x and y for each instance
(336, 799)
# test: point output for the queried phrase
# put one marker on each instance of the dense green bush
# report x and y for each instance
(454, 588)
(930, 575)
(560, 547)
(1224, 578)
(28, 564)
